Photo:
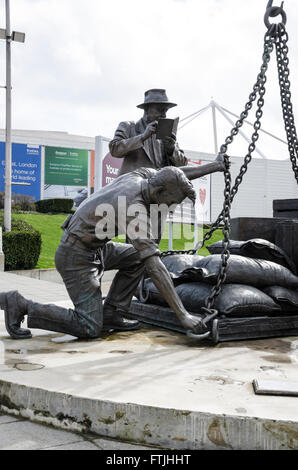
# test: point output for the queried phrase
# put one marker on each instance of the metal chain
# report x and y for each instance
(224, 217)
(258, 89)
(285, 93)
(275, 35)
(229, 194)
(225, 255)
(210, 312)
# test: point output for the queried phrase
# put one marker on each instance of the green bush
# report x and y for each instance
(54, 206)
(21, 246)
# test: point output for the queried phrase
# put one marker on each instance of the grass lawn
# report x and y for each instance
(49, 227)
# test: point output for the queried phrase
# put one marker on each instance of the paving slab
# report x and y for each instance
(151, 386)
(47, 292)
(26, 435)
(23, 435)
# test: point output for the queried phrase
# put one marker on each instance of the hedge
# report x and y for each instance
(21, 246)
(54, 206)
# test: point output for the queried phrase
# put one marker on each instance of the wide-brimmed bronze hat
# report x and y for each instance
(156, 96)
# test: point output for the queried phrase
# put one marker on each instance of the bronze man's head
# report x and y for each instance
(170, 186)
(156, 104)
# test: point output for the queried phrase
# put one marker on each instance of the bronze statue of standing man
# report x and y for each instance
(136, 142)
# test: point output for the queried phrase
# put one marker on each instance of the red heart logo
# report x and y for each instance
(203, 193)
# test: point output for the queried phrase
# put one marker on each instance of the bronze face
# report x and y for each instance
(155, 111)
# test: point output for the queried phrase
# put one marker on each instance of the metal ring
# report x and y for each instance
(272, 12)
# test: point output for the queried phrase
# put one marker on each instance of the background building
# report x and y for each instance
(58, 164)
(49, 164)
(264, 181)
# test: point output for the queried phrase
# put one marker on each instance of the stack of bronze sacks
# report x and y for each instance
(261, 280)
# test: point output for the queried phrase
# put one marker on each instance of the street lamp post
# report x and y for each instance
(19, 37)
(7, 194)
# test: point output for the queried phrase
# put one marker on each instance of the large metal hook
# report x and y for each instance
(192, 335)
(272, 11)
(210, 315)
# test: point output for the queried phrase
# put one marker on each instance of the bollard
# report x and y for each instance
(1, 252)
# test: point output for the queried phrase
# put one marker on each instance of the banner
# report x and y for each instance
(202, 187)
(66, 167)
(110, 168)
(106, 167)
(201, 212)
(26, 169)
(92, 171)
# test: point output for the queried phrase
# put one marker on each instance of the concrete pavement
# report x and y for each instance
(149, 386)
(18, 434)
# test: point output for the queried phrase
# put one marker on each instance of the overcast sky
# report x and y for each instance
(86, 64)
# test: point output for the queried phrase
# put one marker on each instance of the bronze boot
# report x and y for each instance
(115, 320)
(15, 308)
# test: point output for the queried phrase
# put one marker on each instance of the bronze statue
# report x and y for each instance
(137, 144)
(85, 251)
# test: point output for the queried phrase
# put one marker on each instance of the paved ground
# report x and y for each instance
(150, 386)
(46, 292)
(18, 434)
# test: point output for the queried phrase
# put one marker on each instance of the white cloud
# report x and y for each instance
(85, 65)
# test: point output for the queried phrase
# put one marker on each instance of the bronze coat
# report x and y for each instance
(127, 144)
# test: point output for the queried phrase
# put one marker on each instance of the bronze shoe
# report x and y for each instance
(14, 306)
(114, 320)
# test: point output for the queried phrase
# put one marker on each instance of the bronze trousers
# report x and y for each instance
(81, 271)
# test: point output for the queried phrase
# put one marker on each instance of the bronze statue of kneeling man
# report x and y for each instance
(86, 250)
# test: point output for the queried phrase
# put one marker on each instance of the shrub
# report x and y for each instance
(21, 246)
(54, 206)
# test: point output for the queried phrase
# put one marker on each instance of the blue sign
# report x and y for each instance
(26, 168)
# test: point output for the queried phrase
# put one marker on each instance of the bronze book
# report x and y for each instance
(166, 127)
